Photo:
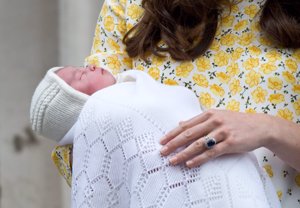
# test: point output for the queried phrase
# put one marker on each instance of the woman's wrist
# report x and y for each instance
(272, 133)
(281, 133)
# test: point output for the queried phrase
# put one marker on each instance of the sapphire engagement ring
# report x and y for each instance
(209, 142)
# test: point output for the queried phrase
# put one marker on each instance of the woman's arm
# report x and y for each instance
(235, 133)
(285, 141)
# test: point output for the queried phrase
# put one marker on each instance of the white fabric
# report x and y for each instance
(69, 136)
(55, 106)
(116, 159)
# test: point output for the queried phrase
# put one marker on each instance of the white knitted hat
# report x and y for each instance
(55, 106)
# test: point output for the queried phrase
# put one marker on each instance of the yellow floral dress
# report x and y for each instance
(242, 71)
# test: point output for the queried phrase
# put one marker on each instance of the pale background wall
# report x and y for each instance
(34, 36)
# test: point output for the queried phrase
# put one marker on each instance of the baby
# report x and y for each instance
(59, 98)
(115, 124)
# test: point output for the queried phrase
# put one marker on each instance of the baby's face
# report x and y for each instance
(86, 79)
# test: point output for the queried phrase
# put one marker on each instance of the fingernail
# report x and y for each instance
(164, 150)
(173, 160)
(189, 163)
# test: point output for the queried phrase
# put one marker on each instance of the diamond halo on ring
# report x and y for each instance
(209, 142)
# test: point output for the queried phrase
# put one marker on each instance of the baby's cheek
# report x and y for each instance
(82, 87)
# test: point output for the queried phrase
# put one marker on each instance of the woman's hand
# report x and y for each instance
(234, 133)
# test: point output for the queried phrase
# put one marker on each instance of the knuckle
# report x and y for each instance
(183, 156)
(230, 142)
(218, 121)
(224, 132)
(209, 112)
(198, 144)
(188, 134)
(183, 125)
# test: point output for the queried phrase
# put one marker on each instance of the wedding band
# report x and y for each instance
(209, 142)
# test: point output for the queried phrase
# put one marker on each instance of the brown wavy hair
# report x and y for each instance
(188, 27)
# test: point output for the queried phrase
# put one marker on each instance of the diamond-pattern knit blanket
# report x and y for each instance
(116, 159)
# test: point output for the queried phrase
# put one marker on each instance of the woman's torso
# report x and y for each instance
(241, 71)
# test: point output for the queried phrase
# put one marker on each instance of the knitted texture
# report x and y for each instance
(117, 161)
(55, 106)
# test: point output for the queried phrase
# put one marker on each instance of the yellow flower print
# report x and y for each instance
(233, 105)
(97, 30)
(227, 21)
(255, 27)
(140, 67)
(265, 41)
(217, 90)
(251, 63)
(223, 77)
(200, 80)
(296, 88)
(292, 65)
(297, 107)
(203, 64)
(259, 95)
(241, 25)
(206, 100)
(297, 180)
(234, 8)
(296, 55)
(246, 39)
(221, 58)
(170, 82)
(122, 27)
(250, 110)
(114, 64)
(269, 170)
(215, 45)
(285, 114)
(251, 10)
(134, 11)
(92, 60)
(109, 24)
(104, 10)
(129, 26)
(228, 40)
(273, 56)
(118, 10)
(254, 50)
(158, 61)
(113, 45)
(127, 62)
(237, 53)
(279, 194)
(267, 68)
(96, 43)
(184, 69)
(154, 72)
(288, 77)
(276, 98)
(233, 69)
(235, 87)
(253, 78)
(274, 83)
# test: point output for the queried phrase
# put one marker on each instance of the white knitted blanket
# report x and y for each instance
(116, 159)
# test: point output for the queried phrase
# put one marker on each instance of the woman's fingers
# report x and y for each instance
(216, 151)
(196, 148)
(186, 137)
(184, 125)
